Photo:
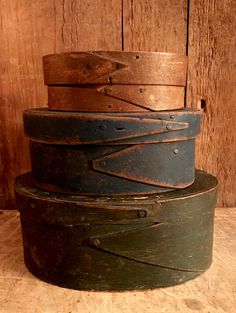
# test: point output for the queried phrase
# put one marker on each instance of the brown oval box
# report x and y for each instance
(115, 81)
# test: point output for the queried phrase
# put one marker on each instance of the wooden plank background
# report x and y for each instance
(31, 29)
(155, 25)
(212, 78)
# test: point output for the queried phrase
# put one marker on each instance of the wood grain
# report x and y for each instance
(115, 67)
(108, 247)
(212, 84)
(71, 128)
(155, 25)
(116, 98)
(211, 292)
(135, 170)
(29, 30)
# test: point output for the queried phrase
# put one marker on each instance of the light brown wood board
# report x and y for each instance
(155, 25)
(212, 292)
(212, 84)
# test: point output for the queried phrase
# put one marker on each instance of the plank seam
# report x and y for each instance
(122, 24)
(187, 50)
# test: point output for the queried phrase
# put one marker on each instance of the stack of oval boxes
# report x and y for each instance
(113, 201)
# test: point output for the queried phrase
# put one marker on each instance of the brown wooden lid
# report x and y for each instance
(115, 67)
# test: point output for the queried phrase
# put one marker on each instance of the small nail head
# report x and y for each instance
(102, 127)
(88, 66)
(172, 117)
(168, 126)
(142, 214)
(107, 90)
(94, 242)
(176, 151)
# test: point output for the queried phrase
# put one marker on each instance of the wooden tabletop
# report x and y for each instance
(212, 292)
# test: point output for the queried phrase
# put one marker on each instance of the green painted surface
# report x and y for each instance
(118, 243)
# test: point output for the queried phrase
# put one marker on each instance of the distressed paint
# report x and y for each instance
(107, 169)
(57, 127)
(117, 243)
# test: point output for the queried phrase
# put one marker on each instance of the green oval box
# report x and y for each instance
(117, 243)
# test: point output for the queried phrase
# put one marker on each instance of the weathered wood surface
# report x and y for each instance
(133, 252)
(155, 25)
(103, 154)
(107, 169)
(67, 209)
(29, 30)
(212, 84)
(22, 292)
(115, 67)
(70, 128)
(116, 98)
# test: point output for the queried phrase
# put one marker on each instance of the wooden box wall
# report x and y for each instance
(117, 243)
